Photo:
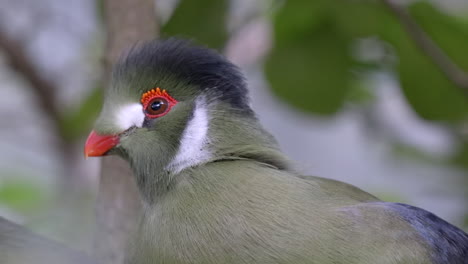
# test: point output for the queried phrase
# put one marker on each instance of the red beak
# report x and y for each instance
(98, 145)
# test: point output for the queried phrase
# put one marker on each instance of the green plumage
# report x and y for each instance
(248, 212)
(217, 189)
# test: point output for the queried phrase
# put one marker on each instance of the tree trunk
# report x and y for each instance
(128, 22)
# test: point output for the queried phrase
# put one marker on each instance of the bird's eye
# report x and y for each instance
(157, 102)
(157, 107)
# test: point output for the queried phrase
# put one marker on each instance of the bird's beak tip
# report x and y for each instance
(98, 145)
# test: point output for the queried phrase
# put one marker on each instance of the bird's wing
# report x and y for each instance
(411, 232)
(415, 231)
(340, 189)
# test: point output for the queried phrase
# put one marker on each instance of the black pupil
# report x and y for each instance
(156, 105)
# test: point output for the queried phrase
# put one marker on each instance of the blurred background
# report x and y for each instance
(374, 93)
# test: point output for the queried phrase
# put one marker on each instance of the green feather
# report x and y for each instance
(246, 212)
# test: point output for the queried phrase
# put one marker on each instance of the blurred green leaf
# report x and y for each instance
(21, 195)
(79, 122)
(308, 66)
(360, 92)
(310, 70)
(431, 95)
(465, 223)
(100, 6)
(299, 17)
(446, 31)
(323, 78)
(357, 19)
(427, 89)
(409, 152)
(460, 157)
(202, 20)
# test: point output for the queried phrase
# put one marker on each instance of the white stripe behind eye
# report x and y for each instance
(192, 148)
(130, 115)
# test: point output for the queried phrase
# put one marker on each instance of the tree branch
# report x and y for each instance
(43, 89)
(128, 22)
(119, 203)
(429, 47)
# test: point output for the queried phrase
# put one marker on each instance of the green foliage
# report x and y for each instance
(460, 157)
(311, 63)
(407, 152)
(451, 36)
(449, 33)
(303, 71)
(202, 20)
(357, 19)
(360, 92)
(465, 223)
(100, 6)
(79, 122)
(297, 18)
(21, 195)
(427, 89)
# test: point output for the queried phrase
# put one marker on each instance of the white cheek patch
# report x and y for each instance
(130, 115)
(192, 149)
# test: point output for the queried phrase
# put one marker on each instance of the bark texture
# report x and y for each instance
(127, 22)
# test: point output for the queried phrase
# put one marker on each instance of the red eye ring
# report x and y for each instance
(157, 103)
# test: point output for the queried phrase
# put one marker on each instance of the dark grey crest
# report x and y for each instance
(199, 66)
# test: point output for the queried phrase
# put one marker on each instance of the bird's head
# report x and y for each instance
(172, 106)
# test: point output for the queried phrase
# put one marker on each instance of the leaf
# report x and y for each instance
(359, 19)
(201, 20)
(298, 17)
(426, 88)
(431, 95)
(409, 152)
(309, 68)
(310, 64)
(460, 156)
(311, 73)
(20, 194)
(360, 92)
(446, 31)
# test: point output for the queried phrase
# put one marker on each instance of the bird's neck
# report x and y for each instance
(228, 135)
(239, 135)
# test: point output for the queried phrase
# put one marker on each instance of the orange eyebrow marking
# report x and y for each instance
(157, 92)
